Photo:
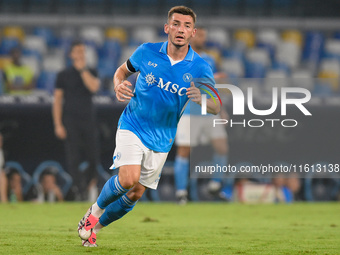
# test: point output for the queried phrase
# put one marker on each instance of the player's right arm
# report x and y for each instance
(57, 112)
(121, 84)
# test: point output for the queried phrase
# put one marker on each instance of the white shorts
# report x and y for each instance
(131, 151)
(200, 131)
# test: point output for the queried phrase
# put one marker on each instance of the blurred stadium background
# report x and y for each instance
(297, 40)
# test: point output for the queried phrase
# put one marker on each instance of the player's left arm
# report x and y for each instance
(195, 95)
(91, 82)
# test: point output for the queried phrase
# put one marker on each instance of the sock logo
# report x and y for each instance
(87, 223)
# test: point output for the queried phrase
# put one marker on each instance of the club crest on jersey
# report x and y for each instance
(187, 77)
(150, 79)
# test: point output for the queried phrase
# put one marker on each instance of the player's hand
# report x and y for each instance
(194, 93)
(123, 91)
(60, 132)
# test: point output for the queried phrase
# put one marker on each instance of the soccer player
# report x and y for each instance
(147, 126)
(218, 138)
(3, 177)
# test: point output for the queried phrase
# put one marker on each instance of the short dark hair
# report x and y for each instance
(10, 171)
(48, 171)
(181, 9)
(75, 43)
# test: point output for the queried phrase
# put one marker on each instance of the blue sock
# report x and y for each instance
(181, 171)
(117, 210)
(220, 160)
(111, 191)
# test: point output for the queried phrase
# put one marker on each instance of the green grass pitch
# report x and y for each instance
(166, 228)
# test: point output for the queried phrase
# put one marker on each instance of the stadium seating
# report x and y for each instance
(46, 33)
(218, 37)
(33, 62)
(117, 33)
(233, 67)
(7, 44)
(288, 53)
(245, 36)
(92, 35)
(293, 36)
(244, 52)
(313, 49)
(53, 62)
(259, 55)
(14, 32)
(46, 81)
(268, 36)
(143, 34)
(36, 44)
(51, 65)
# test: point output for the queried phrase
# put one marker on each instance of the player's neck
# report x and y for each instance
(177, 53)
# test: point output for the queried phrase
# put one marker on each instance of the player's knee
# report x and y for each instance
(135, 195)
(128, 182)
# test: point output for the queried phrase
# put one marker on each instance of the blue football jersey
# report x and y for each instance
(160, 94)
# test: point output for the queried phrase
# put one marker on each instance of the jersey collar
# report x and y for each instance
(188, 57)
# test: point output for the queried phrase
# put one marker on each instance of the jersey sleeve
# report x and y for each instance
(136, 59)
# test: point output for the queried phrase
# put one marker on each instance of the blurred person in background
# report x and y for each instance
(3, 177)
(19, 78)
(74, 120)
(48, 188)
(286, 187)
(13, 191)
(10, 181)
(183, 141)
